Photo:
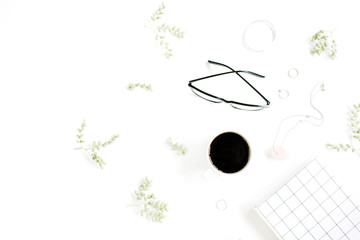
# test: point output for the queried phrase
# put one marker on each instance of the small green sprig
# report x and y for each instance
(323, 41)
(95, 147)
(132, 86)
(173, 30)
(151, 209)
(340, 147)
(179, 148)
(162, 29)
(158, 13)
(355, 128)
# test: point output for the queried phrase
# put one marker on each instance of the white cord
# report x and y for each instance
(318, 87)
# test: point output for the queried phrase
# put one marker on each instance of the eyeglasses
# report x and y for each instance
(234, 104)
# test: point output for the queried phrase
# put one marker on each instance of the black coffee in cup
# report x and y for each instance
(229, 152)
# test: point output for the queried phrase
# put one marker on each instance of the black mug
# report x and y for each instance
(229, 152)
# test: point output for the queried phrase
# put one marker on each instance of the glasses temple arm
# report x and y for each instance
(267, 101)
(216, 75)
(255, 74)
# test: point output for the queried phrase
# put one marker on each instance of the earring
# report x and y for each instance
(283, 93)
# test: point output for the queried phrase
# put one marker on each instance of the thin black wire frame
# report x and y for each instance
(232, 103)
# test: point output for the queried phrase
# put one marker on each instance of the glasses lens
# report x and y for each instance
(205, 96)
(246, 108)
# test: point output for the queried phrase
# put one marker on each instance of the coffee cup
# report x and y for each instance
(229, 153)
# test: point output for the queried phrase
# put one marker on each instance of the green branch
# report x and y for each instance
(179, 148)
(151, 209)
(163, 29)
(95, 147)
(355, 130)
(132, 86)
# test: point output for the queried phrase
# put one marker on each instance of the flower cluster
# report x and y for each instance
(323, 41)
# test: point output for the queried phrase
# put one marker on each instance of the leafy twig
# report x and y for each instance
(162, 29)
(179, 148)
(323, 41)
(132, 86)
(151, 209)
(341, 147)
(94, 148)
(158, 13)
(355, 127)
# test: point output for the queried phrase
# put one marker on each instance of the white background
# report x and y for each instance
(65, 61)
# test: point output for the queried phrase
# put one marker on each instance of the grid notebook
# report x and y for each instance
(311, 206)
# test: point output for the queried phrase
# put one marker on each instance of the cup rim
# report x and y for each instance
(213, 165)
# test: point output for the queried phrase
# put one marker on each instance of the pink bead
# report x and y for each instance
(279, 153)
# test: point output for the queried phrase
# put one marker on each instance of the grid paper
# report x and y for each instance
(312, 206)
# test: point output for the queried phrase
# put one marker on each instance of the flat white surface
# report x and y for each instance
(65, 61)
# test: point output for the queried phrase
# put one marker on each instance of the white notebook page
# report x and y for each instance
(311, 205)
